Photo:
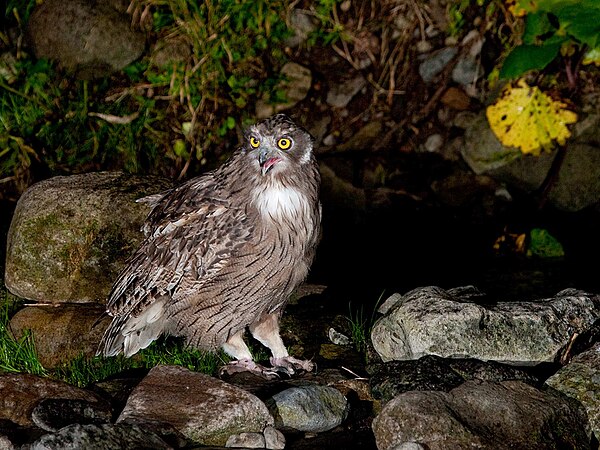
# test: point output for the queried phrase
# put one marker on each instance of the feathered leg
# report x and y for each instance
(266, 331)
(237, 348)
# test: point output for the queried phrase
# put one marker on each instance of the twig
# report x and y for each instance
(7, 179)
(121, 94)
(420, 18)
(354, 374)
(115, 119)
(566, 356)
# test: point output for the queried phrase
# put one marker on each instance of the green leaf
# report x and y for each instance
(179, 148)
(536, 25)
(543, 245)
(528, 57)
(580, 22)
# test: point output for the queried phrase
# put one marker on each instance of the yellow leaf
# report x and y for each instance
(527, 118)
(519, 8)
(592, 56)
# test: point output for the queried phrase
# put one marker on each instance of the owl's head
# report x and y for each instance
(277, 144)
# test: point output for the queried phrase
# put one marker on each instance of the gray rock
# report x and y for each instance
(434, 63)
(296, 83)
(580, 379)
(205, 410)
(61, 333)
(310, 408)
(433, 321)
(578, 184)
(389, 303)
(409, 446)
(70, 236)
(52, 414)
(246, 440)
(5, 443)
(338, 338)
(483, 415)
(363, 140)
(433, 143)
(483, 152)
(20, 393)
(100, 437)
(339, 95)
(274, 439)
(467, 71)
(90, 38)
(302, 24)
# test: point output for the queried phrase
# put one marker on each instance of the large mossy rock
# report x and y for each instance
(70, 236)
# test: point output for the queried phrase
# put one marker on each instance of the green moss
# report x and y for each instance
(36, 233)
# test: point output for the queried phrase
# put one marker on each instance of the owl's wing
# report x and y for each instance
(190, 237)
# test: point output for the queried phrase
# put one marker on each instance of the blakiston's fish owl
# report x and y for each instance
(224, 251)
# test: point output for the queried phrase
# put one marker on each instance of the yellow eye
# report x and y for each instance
(254, 142)
(284, 143)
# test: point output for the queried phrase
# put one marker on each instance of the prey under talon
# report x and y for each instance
(291, 365)
(247, 365)
(266, 331)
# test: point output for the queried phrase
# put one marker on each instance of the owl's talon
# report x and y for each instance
(292, 366)
(247, 365)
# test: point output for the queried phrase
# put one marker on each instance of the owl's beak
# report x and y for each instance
(267, 160)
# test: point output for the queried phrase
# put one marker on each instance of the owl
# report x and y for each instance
(223, 252)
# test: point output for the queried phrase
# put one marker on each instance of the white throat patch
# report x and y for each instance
(278, 202)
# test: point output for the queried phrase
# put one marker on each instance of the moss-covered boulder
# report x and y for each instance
(70, 235)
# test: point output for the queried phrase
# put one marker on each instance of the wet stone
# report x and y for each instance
(439, 374)
(21, 393)
(246, 440)
(105, 437)
(5, 443)
(309, 408)
(18, 435)
(52, 414)
(274, 439)
(396, 377)
(203, 409)
(485, 415)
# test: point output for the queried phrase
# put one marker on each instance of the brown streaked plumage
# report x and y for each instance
(224, 251)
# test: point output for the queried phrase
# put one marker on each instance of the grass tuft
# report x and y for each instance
(16, 355)
(361, 325)
(82, 371)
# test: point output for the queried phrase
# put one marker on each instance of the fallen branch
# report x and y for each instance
(115, 119)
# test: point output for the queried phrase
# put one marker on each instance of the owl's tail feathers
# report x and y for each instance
(129, 334)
